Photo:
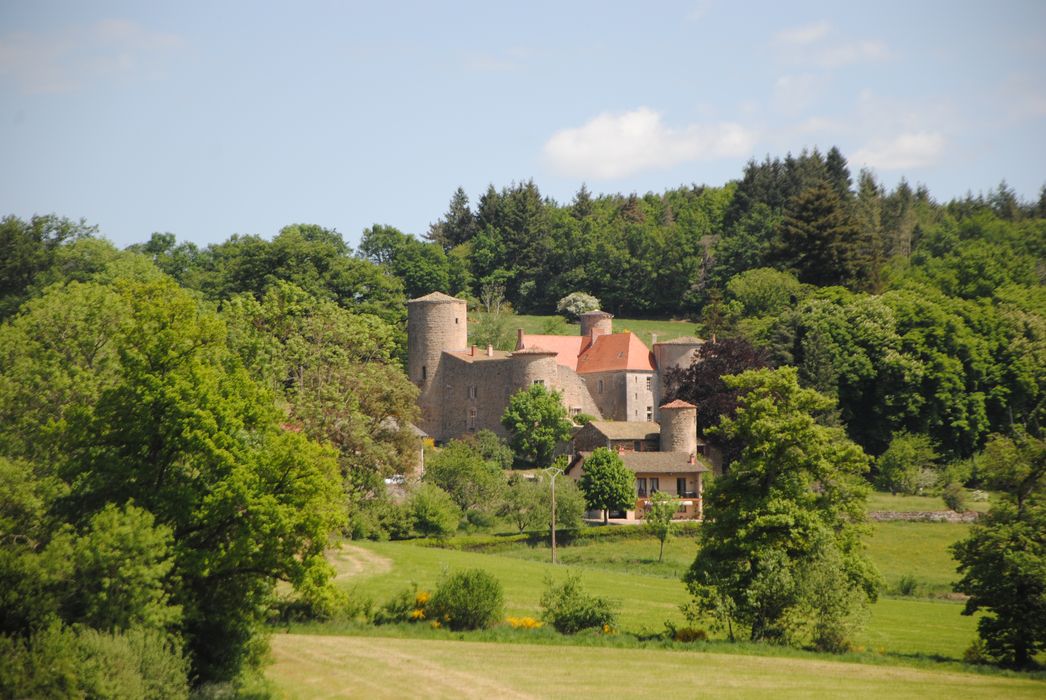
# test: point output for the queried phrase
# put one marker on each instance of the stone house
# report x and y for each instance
(664, 457)
(609, 376)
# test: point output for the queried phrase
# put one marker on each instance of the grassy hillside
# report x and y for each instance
(556, 325)
(314, 666)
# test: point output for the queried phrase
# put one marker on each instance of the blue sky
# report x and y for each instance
(212, 118)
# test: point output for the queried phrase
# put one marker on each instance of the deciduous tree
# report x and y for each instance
(793, 499)
(537, 422)
(606, 482)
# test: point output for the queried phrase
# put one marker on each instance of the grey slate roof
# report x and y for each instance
(662, 462)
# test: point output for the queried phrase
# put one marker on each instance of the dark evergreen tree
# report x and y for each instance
(819, 239)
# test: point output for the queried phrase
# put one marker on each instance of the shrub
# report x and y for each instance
(954, 497)
(467, 600)
(907, 585)
(688, 634)
(976, 653)
(524, 623)
(435, 513)
(583, 419)
(409, 605)
(569, 609)
(61, 662)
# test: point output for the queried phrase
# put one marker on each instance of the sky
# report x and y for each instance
(207, 119)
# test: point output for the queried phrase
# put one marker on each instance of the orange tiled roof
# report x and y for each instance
(679, 403)
(614, 352)
(566, 347)
(608, 353)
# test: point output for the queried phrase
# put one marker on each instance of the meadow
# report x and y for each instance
(644, 328)
(321, 666)
(910, 647)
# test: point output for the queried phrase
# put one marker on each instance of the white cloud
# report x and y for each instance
(907, 150)
(699, 10)
(66, 60)
(812, 44)
(794, 93)
(615, 145)
(864, 50)
(803, 36)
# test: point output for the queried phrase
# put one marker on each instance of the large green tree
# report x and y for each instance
(780, 548)
(145, 402)
(1003, 560)
(336, 372)
(537, 422)
(472, 481)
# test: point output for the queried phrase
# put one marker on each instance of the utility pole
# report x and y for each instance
(553, 473)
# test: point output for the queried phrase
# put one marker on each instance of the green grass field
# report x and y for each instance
(896, 548)
(881, 501)
(930, 628)
(317, 666)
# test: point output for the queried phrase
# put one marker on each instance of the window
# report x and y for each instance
(600, 386)
(539, 382)
(455, 320)
(681, 487)
(641, 487)
(424, 373)
(637, 446)
(472, 419)
(575, 410)
(472, 391)
(650, 413)
(648, 383)
(655, 485)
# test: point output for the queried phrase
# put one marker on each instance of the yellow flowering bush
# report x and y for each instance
(524, 623)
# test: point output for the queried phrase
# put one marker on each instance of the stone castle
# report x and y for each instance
(609, 376)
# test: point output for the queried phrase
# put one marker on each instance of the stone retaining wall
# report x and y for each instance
(934, 516)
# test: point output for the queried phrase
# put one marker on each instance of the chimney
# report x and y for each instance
(519, 339)
(490, 350)
(653, 339)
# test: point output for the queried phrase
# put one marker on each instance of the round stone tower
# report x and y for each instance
(679, 427)
(678, 353)
(534, 366)
(595, 323)
(435, 323)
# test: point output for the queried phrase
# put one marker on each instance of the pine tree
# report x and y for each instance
(819, 239)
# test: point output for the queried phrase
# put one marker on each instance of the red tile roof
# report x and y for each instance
(679, 403)
(566, 347)
(615, 352)
(612, 352)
